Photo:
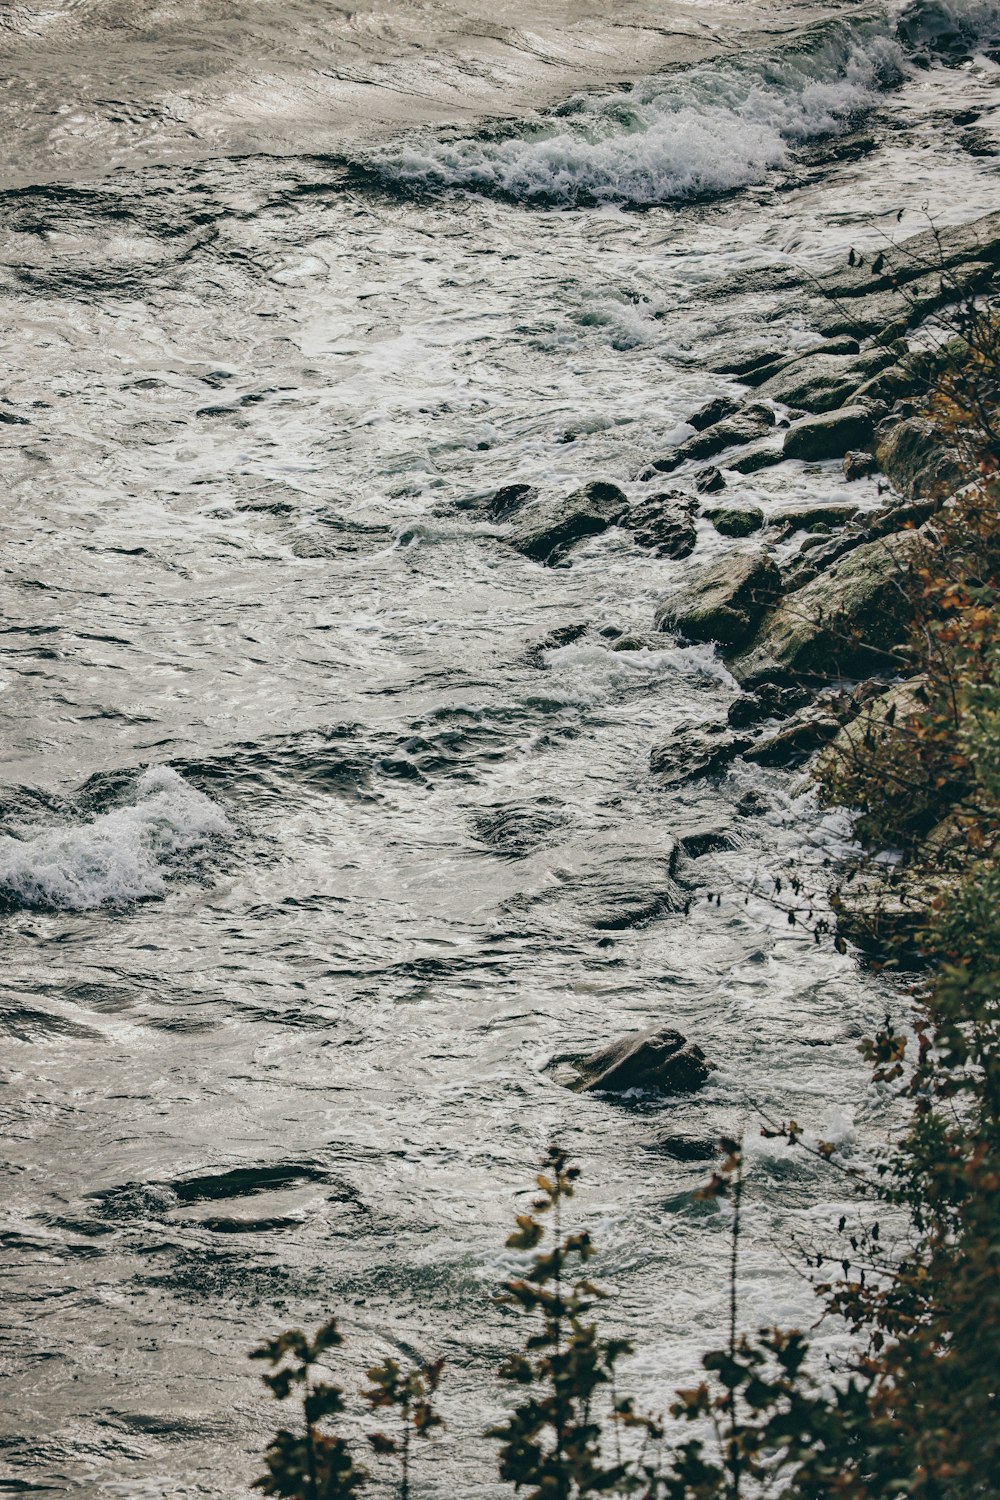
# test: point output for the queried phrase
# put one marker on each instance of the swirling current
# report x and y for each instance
(326, 817)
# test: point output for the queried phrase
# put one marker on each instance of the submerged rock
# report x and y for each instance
(724, 602)
(695, 750)
(655, 1061)
(550, 529)
(829, 436)
(844, 621)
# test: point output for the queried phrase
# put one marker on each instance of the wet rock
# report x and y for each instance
(736, 520)
(795, 741)
(885, 914)
(890, 312)
(665, 523)
(755, 459)
(750, 422)
(509, 500)
(711, 841)
(880, 718)
(829, 436)
(858, 464)
(770, 701)
(687, 1148)
(655, 1061)
(723, 603)
(843, 622)
(914, 458)
(713, 412)
(801, 517)
(695, 750)
(822, 382)
(550, 529)
(977, 241)
(709, 481)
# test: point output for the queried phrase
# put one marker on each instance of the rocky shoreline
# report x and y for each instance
(817, 643)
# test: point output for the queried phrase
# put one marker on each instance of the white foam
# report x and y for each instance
(119, 856)
(704, 130)
(708, 129)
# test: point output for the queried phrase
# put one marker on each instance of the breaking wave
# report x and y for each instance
(709, 129)
(119, 856)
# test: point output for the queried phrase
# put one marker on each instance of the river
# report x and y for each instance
(327, 816)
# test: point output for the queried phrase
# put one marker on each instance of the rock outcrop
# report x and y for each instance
(844, 622)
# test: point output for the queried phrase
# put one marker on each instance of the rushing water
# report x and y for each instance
(321, 832)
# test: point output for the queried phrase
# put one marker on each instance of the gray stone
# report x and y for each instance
(550, 529)
(843, 622)
(900, 308)
(915, 459)
(822, 382)
(858, 464)
(829, 436)
(736, 520)
(712, 412)
(709, 481)
(695, 750)
(801, 517)
(796, 740)
(654, 1061)
(755, 459)
(750, 422)
(724, 602)
(665, 523)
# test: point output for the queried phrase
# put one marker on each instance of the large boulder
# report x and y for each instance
(548, 529)
(749, 423)
(829, 436)
(845, 621)
(695, 750)
(915, 458)
(655, 1061)
(723, 603)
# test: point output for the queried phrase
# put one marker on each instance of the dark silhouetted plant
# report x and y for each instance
(312, 1463)
(551, 1443)
(411, 1394)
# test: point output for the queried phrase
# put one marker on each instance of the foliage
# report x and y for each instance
(411, 1393)
(312, 1464)
(552, 1441)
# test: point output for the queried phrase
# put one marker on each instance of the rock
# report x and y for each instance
(755, 459)
(801, 517)
(711, 841)
(795, 741)
(749, 423)
(843, 622)
(899, 308)
(724, 602)
(858, 464)
(509, 500)
(879, 719)
(885, 915)
(914, 458)
(695, 750)
(660, 1061)
(767, 369)
(829, 436)
(665, 523)
(736, 520)
(907, 261)
(770, 701)
(713, 412)
(709, 481)
(549, 530)
(822, 382)
(686, 1148)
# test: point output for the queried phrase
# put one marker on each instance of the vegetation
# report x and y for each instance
(916, 1412)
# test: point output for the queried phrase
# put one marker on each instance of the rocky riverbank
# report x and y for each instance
(817, 640)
